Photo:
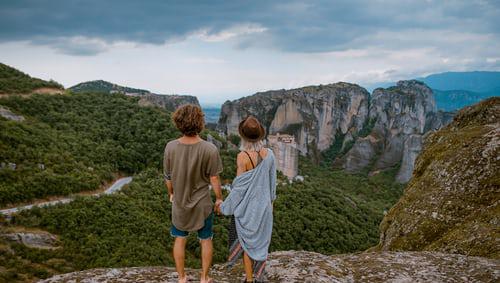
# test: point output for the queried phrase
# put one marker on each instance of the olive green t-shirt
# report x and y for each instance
(189, 167)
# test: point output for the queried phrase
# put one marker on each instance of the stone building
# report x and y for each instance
(287, 156)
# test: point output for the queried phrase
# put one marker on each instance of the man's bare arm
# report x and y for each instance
(170, 189)
(215, 182)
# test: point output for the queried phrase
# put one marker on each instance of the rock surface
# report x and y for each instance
(400, 116)
(452, 202)
(7, 114)
(313, 114)
(294, 266)
(34, 239)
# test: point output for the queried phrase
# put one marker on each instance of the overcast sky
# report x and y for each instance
(219, 50)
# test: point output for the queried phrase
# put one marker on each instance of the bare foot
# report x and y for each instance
(207, 280)
(183, 279)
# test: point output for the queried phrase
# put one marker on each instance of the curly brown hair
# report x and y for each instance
(189, 119)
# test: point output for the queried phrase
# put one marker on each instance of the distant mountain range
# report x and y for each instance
(146, 98)
(481, 82)
(455, 90)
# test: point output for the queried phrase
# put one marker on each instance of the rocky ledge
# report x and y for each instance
(294, 266)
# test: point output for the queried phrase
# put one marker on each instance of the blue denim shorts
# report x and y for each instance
(204, 233)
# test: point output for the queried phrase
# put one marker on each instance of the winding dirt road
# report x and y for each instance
(117, 185)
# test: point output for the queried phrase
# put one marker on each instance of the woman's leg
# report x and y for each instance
(247, 262)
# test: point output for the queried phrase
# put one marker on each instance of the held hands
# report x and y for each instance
(218, 202)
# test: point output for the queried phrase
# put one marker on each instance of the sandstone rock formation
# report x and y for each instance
(314, 114)
(452, 202)
(400, 116)
(376, 133)
(294, 266)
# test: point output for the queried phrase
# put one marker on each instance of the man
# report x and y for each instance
(190, 165)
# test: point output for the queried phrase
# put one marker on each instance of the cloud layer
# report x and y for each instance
(88, 27)
(220, 50)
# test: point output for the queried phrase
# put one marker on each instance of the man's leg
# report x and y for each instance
(179, 255)
(205, 235)
(206, 258)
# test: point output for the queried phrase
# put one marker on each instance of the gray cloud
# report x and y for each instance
(292, 26)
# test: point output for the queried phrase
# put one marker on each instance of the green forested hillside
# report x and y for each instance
(13, 81)
(105, 87)
(71, 143)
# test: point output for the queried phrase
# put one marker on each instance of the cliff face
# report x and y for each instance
(400, 116)
(169, 102)
(452, 202)
(376, 133)
(294, 266)
(314, 115)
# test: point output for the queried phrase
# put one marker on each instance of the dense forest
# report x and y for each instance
(13, 81)
(77, 142)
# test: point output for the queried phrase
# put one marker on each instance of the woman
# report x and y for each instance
(250, 200)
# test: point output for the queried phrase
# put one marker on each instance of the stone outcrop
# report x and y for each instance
(34, 239)
(7, 114)
(452, 202)
(294, 266)
(399, 117)
(314, 114)
(169, 102)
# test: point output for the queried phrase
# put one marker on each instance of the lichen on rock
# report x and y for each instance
(296, 266)
(452, 202)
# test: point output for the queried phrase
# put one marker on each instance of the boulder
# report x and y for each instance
(34, 239)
